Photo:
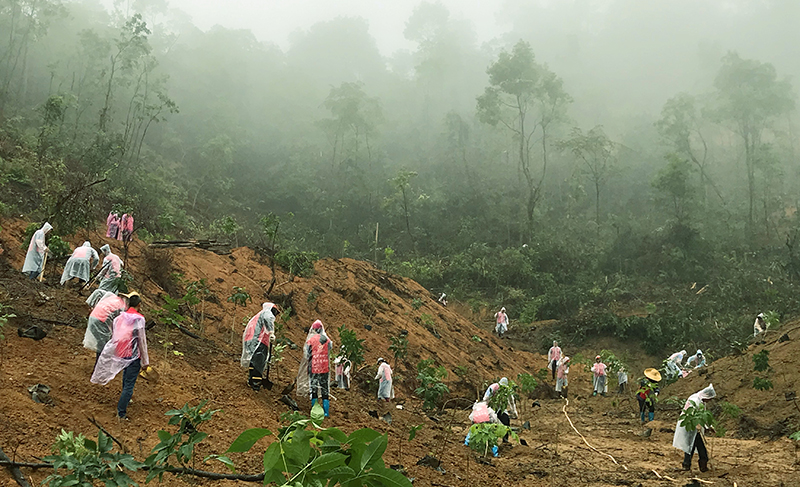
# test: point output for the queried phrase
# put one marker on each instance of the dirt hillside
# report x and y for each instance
(355, 294)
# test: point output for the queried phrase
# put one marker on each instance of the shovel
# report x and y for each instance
(265, 381)
(149, 374)
(44, 263)
(88, 284)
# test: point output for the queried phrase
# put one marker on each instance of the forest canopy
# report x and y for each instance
(590, 163)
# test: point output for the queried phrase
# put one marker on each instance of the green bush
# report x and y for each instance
(296, 262)
(431, 388)
(322, 456)
(80, 461)
(762, 384)
(527, 383)
(353, 346)
(484, 436)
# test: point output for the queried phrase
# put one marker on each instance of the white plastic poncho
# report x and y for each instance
(553, 355)
(128, 343)
(36, 249)
(304, 371)
(112, 269)
(759, 326)
(80, 263)
(684, 439)
(384, 376)
(562, 374)
(101, 319)
(258, 330)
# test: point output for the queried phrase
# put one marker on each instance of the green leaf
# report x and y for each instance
(164, 435)
(247, 439)
(222, 458)
(364, 435)
(413, 432)
(272, 456)
(317, 414)
(374, 451)
(334, 433)
(388, 478)
(328, 461)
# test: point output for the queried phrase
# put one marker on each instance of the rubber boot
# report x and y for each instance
(687, 462)
(494, 451)
(642, 415)
(313, 401)
(466, 440)
(651, 416)
(326, 406)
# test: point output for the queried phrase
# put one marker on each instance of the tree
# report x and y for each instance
(355, 116)
(526, 98)
(680, 125)
(596, 153)
(402, 183)
(673, 183)
(751, 97)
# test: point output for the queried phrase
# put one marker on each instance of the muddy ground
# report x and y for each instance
(753, 453)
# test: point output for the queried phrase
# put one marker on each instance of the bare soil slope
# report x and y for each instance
(340, 292)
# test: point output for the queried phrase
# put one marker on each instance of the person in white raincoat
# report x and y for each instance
(689, 440)
(80, 264)
(562, 376)
(126, 352)
(599, 377)
(384, 376)
(256, 340)
(675, 364)
(34, 259)
(502, 416)
(342, 369)
(697, 360)
(111, 270)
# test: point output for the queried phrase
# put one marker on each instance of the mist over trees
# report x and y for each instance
(597, 153)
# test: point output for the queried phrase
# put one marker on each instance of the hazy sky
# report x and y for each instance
(275, 20)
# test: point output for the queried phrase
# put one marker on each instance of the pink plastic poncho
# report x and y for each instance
(482, 413)
(258, 330)
(113, 225)
(599, 368)
(314, 341)
(553, 355)
(80, 263)
(128, 343)
(98, 329)
(385, 386)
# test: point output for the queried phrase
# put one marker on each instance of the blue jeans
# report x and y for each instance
(129, 375)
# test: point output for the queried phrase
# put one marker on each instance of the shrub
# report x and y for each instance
(298, 263)
(322, 456)
(416, 304)
(762, 384)
(353, 346)
(527, 383)
(761, 361)
(88, 462)
(484, 436)
(500, 399)
(399, 347)
(431, 388)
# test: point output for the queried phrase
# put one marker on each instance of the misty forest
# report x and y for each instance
(625, 167)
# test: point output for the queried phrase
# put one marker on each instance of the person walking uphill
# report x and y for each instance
(553, 356)
(599, 378)
(257, 345)
(384, 376)
(562, 382)
(126, 352)
(690, 440)
(502, 322)
(34, 259)
(111, 270)
(313, 377)
(647, 394)
(112, 221)
(80, 264)
(101, 320)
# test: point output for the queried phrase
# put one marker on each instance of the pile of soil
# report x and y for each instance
(359, 296)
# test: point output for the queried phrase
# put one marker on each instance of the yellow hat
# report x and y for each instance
(652, 374)
(130, 294)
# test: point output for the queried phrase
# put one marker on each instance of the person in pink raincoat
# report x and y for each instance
(126, 352)
(112, 221)
(256, 339)
(599, 378)
(126, 228)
